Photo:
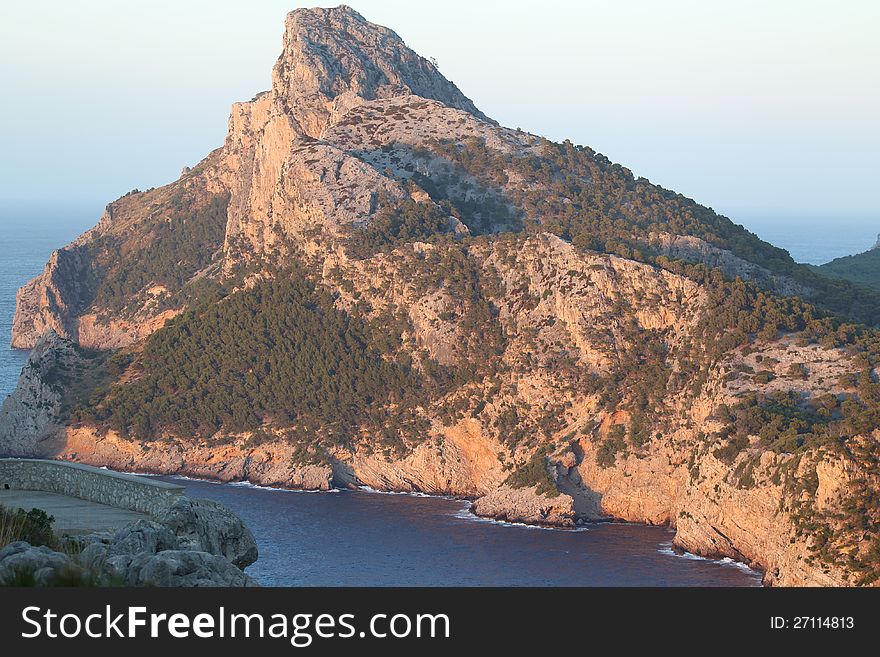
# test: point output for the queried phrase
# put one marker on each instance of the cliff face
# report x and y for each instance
(352, 120)
(32, 410)
(561, 361)
(52, 301)
(295, 173)
(123, 279)
(334, 60)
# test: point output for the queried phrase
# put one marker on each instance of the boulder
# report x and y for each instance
(112, 553)
(143, 536)
(184, 568)
(203, 525)
(21, 560)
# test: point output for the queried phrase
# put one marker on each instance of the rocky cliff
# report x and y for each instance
(34, 408)
(371, 283)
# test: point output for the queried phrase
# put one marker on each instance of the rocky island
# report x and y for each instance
(371, 283)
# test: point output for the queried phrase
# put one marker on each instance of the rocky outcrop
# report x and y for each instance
(206, 526)
(333, 59)
(112, 552)
(53, 300)
(67, 297)
(198, 543)
(526, 505)
(268, 464)
(31, 412)
(715, 516)
(21, 564)
(184, 568)
(693, 249)
(291, 176)
(24, 564)
(151, 554)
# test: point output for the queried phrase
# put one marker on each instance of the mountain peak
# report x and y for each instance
(334, 59)
(339, 10)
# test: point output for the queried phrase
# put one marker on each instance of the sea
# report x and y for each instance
(365, 538)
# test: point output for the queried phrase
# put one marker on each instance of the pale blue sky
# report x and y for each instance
(749, 107)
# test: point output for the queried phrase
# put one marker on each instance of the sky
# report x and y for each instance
(752, 108)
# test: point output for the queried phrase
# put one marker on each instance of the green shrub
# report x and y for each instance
(34, 527)
(606, 456)
(798, 371)
(535, 472)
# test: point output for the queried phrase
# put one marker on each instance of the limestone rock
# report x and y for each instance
(269, 464)
(333, 59)
(184, 568)
(353, 115)
(693, 249)
(207, 526)
(53, 300)
(527, 506)
(20, 557)
(210, 548)
(32, 410)
(114, 552)
(143, 536)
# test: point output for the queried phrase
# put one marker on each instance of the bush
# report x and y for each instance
(535, 472)
(71, 576)
(397, 223)
(729, 452)
(34, 527)
(763, 377)
(606, 456)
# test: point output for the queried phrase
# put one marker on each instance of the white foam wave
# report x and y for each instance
(466, 514)
(247, 484)
(373, 491)
(668, 550)
(239, 484)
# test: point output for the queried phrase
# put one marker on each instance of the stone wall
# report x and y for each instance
(87, 483)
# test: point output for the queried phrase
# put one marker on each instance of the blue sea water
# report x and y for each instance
(367, 539)
(814, 238)
(358, 538)
(28, 235)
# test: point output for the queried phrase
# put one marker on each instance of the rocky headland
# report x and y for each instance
(373, 284)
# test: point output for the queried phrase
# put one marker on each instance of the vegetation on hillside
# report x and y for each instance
(279, 353)
(281, 360)
(399, 222)
(166, 256)
(581, 196)
(535, 472)
(862, 269)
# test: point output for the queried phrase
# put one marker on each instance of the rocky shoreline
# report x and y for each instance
(654, 491)
(507, 507)
(196, 543)
(539, 361)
